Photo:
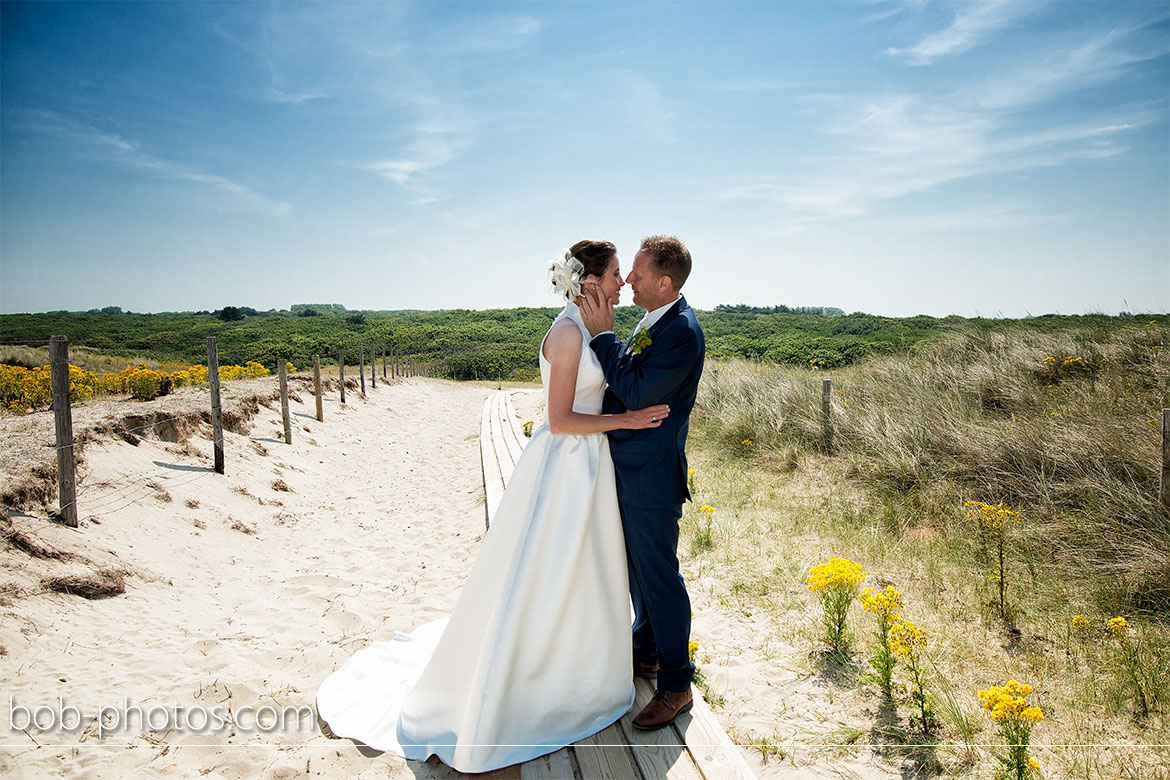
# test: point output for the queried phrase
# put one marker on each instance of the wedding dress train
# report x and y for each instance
(537, 654)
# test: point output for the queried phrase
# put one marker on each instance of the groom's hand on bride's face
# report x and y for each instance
(596, 310)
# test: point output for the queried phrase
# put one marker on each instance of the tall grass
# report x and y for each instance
(1064, 426)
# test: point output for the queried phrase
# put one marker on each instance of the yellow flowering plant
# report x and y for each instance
(1145, 672)
(704, 539)
(885, 606)
(1008, 706)
(908, 641)
(691, 488)
(24, 389)
(836, 583)
(992, 521)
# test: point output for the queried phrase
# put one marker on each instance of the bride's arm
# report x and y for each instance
(562, 349)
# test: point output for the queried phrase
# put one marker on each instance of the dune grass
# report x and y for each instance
(1062, 427)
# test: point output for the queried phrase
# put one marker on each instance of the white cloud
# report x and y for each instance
(91, 142)
(905, 143)
(1061, 69)
(422, 155)
(973, 23)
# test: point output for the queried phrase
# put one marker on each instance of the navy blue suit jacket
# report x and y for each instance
(651, 464)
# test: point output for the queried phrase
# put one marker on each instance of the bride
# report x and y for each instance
(537, 654)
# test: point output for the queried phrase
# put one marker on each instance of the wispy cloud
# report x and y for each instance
(383, 232)
(1092, 58)
(914, 142)
(973, 23)
(88, 141)
(490, 35)
(422, 155)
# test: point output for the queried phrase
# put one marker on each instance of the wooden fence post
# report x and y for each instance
(282, 372)
(362, 365)
(216, 410)
(827, 413)
(373, 368)
(1166, 459)
(317, 387)
(383, 361)
(341, 372)
(63, 422)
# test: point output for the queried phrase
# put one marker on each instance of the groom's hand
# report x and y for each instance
(596, 311)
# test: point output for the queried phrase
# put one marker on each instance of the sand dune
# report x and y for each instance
(241, 594)
(246, 590)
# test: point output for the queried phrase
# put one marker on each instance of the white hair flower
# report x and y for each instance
(565, 275)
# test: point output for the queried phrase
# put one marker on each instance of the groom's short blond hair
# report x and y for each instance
(671, 258)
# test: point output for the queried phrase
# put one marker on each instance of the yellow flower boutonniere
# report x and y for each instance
(641, 341)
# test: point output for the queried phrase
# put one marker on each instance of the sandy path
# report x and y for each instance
(248, 589)
(376, 534)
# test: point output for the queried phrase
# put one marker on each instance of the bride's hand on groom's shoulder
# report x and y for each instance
(650, 417)
(596, 310)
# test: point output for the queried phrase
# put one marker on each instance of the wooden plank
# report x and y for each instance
(514, 422)
(503, 455)
(507, 433)
(714, 753)
(660, 753)
(604, 756)
(554, 766)
(493, 483)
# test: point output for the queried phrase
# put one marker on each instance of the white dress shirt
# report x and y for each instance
(651, 317)
(648, 320)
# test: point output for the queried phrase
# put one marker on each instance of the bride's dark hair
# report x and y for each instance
(594, 255)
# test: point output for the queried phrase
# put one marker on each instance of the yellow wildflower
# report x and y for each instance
(990, 516)
(887, 602)
(838, 571)
(1118, 626)
(1080, 622)
(906, 638)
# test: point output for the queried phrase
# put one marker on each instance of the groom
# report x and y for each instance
(660, 364)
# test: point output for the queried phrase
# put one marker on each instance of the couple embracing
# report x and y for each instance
(539, 652)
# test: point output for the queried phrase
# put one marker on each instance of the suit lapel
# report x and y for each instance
(671, 313)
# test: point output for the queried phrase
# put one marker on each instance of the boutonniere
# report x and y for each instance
(640, 342)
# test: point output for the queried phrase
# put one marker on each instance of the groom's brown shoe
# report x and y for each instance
(645, 670)
(663, 709)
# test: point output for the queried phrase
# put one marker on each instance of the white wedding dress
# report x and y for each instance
(537, 654)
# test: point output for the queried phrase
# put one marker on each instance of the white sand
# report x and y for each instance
(377, 533)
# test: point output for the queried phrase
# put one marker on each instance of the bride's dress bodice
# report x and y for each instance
(590, 378)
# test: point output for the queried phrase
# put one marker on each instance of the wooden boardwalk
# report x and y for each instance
(694, 747)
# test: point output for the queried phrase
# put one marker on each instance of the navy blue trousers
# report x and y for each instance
(662, 608)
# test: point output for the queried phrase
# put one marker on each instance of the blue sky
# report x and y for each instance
(994, 157)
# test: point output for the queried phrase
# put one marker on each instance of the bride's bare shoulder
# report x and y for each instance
(564, 339)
